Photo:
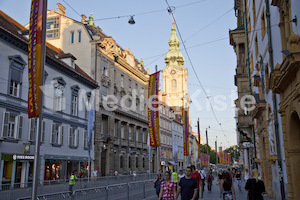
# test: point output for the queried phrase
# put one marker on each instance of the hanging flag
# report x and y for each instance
(185, 124)
(153, 116)
(35, 55)
(149, 148)
(90, 127)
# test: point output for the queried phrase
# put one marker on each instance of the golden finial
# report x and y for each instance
(173, 23)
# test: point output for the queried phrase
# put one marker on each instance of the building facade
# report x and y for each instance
(64, 147)
(177, 137)
(272, 72)
(121, 124)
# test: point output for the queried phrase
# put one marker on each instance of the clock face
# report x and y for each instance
(173, 72)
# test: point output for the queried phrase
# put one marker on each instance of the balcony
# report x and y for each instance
(132, 143)
(124, 142)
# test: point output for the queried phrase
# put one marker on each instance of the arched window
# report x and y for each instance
(174, 85)
(129, 162)
(121, 162)
(143, 162)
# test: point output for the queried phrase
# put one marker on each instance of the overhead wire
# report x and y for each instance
(179, 33)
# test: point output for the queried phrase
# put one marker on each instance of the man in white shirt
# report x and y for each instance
(95, 175)
(203, 176)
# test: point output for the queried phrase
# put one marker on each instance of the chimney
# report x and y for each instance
(60, 9)
(83, 19)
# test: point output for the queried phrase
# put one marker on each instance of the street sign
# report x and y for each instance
(247, 144)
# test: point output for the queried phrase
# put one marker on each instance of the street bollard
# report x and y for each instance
(106, 193)
(144, 189)
(128, 191)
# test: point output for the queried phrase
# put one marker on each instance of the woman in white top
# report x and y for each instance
(246, 175)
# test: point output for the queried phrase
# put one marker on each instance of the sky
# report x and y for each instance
(204, 27)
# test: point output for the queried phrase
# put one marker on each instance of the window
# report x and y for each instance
(130, 133)
(15, 75)
(129, 83)
(74, 105)
(104, 68)
(174, 85)
(143, 162)
(73, 137)
(72, 37)
(137, 162)
(122, 81)
(85, 139)
(136, 87)
(137, 132)
(12, 126)
(32, 129)
(56, 137)
(129, 162)
(116, 129)
(256, 46)
(74, 110)
(104, 91)
(263, 24)
(52, 28)
(79, 36)
(122, 131)
(58, 98)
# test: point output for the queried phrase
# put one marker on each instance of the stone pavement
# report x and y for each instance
(215, 193)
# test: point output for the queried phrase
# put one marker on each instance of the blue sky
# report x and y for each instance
(204, 24)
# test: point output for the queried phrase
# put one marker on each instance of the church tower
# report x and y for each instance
(175, 76)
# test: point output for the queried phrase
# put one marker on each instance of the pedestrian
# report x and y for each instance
(180, 175)
(220, 177)
(238, 177)
(246, 175)
(167, 188)
(197, 177)
(95, 175)
(203, 176)
(157, 182)
(187, 187)
(72, 182)
(116, 173)
(255, 187)
(175, 178)
(134, 173)
(209, 181)
(227, 188)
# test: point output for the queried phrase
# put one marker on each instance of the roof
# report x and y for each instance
(14, 28)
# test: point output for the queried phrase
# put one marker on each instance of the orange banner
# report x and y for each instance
(153, 114)
(35, 46)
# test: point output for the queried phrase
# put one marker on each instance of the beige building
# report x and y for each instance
(121, 125)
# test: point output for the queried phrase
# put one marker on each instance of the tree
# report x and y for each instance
(234, 153)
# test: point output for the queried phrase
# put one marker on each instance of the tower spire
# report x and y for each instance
(174, 56)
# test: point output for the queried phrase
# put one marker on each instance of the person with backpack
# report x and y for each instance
(255, 187)
(227, 191)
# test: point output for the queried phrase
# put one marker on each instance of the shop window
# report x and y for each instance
(33, 123)
(56, 137)
(73, 137)
(12, 126)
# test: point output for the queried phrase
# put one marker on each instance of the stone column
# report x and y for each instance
(246, 158)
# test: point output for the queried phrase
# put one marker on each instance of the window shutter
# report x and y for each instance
(4, 131)
(61, 135)
(69, 136)
(43, 131)
(76, 137)
(52, 133)
(85, 138)
(19, 125)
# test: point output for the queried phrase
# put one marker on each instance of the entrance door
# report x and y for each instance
(103, 163)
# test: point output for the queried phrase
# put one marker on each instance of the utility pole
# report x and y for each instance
(157, 148)
(216, 146)
(208, 160)
(199, 141)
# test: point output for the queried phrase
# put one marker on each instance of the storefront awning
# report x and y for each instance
(171, 162)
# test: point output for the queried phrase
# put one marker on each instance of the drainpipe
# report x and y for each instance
(279, 158)
(249, 72)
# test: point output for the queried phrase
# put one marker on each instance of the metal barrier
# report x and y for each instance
(105, 180)
(123, 191)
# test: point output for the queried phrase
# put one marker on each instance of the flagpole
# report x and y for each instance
(40, 118)
(157, 148)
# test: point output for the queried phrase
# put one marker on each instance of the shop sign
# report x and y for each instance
(22, 157)
(26, 148)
